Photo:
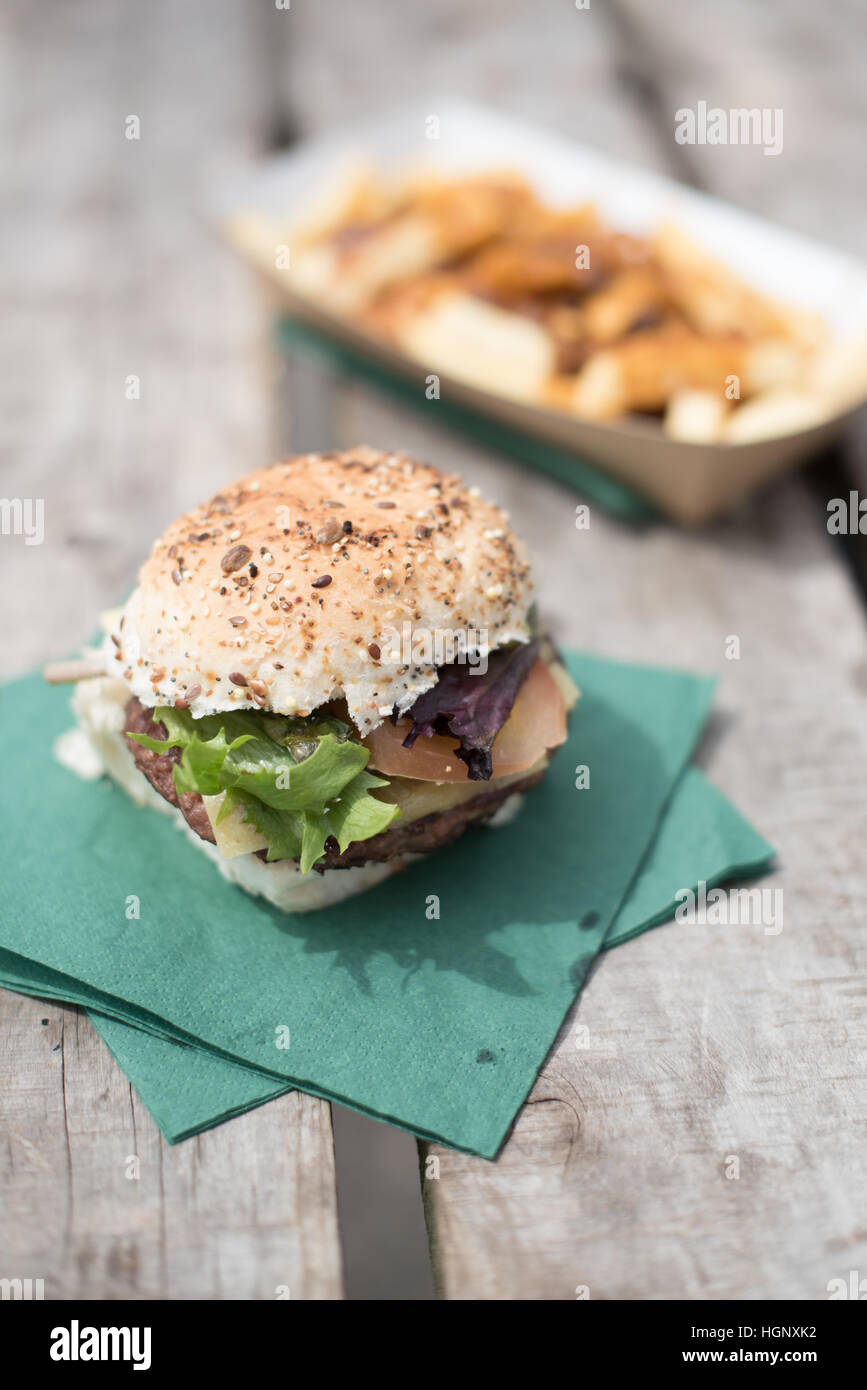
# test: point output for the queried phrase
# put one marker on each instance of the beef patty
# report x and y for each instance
(413, 837)
(426, 834)
(158, 768)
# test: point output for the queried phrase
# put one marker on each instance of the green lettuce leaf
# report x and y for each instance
(298, 780)
(355, 815)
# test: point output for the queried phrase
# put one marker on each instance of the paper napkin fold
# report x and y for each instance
(429, 1002)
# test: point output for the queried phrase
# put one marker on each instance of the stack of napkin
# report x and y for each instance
(429, 1002)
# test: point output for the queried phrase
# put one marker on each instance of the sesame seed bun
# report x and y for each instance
(284, 591)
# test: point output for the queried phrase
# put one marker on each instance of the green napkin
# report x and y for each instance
(701, 837)
(601, 488)
(439, 1025)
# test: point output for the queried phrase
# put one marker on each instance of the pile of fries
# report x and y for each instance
(479, 280)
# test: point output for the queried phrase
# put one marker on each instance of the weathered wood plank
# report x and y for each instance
(110, 270)
(709, 1043)
(706, 1042)
(743, 56)
(235, 1213)
(558, 67)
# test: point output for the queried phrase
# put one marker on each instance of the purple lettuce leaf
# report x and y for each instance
(471, 707)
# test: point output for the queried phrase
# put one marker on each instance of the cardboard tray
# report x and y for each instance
(691, 482)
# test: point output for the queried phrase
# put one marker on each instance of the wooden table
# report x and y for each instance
(709, 1043)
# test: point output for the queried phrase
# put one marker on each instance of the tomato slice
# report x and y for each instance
(537, 723)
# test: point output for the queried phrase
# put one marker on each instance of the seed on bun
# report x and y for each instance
(265, 683)
(280, 592)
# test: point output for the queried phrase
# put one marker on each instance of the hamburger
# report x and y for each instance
(330, 667)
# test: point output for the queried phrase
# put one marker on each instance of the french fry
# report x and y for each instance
(482, 345)
(521, 268)
(348, 279)
(436, 222)
(696, 417)
(256, 235)
(839, 373)
(714, 300)
(611, 312)
(469, 212)
(600, 393)
(536, 219)
(772, 363)
(357, 195)
(391, 311)
(642, 372)
(476, 277)
(772, 414)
